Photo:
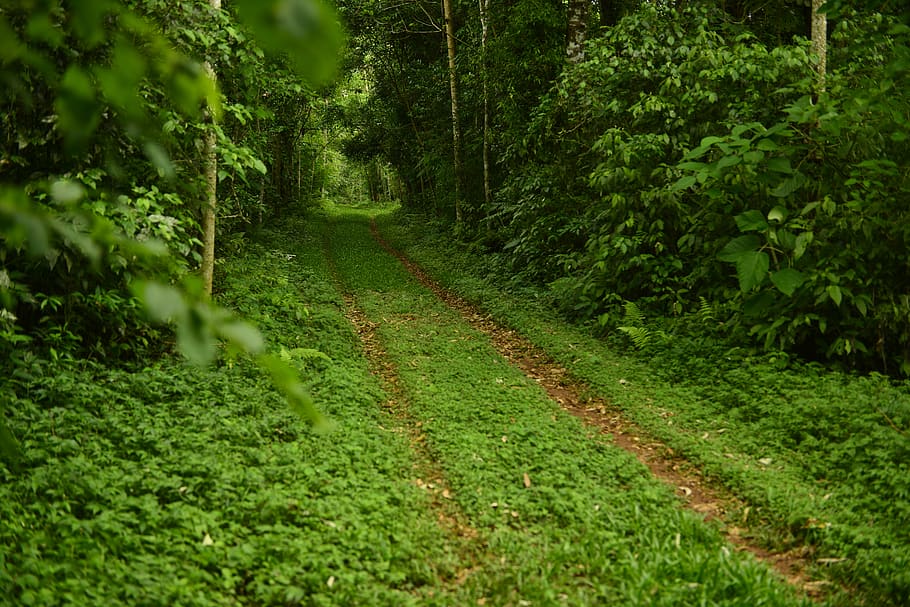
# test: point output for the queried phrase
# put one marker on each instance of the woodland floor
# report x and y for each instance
(468, 465)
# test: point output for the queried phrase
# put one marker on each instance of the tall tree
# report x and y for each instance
(820, 41)
(484, 6)
(577, 30)
(456, 120)
(211, 189)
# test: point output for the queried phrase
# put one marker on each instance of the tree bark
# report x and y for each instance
(577, 30)
(484, 11)
(211, 182)
(820, 42)
(456, 122)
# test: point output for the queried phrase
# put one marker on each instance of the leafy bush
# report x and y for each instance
(819, 201)
(591, 204)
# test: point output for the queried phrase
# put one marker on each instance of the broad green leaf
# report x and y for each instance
(78, 112)
(67, 192)
(754, 156)
(683, 183)
(306, 30)
(786, 239)
(780, 165)
(709, 141)
(788, 280)
(834, 293)
(751, 269)
(9, 446)
(163, 303)
(751, 221)
(738, 247)
(242, 334)
(778, 214)
(286, 379)
(195, 339)
(160, 159)
(766, 145)
(758, 304)
(802, 242)
(729, 161)
(788, 186)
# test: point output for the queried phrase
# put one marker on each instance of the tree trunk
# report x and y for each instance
(820, 42)
(456, 122)
(484, 11)
(577, 30)
(211, 182)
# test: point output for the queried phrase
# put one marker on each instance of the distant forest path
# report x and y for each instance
(552, 496)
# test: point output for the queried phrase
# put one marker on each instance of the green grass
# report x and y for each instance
(822, 457)
(175, 485)
(593, 528)
(171, 485)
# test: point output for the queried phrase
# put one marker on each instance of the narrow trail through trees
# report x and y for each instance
(520, 465)
(696, 491)
(429, 476)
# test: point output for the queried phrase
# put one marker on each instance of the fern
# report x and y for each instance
(633, 316)
(706, 312)
(641, 336)
(635, 326)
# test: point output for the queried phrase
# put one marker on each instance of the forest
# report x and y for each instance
(411, 302)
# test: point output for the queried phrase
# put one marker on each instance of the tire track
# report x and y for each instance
(693, 488)
(468, 543)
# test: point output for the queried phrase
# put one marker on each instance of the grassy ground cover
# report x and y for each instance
(822, 457)
(170, 485)
(567, 518)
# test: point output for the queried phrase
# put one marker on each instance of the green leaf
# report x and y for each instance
(242, 334)
(729, 161)
(683, 183)
(9, 446)
(67, 192)
(788, 280)
(780, 165)
(286, 379)
(305, 30)
(802, 242)
(195, 339)
(754, 156)
(160, 159)
(834, 293)
(78, 112)
(751, 269)
(788, 186)
(163, 303)
(738, 247)
(751, 221)
(758, 304)
(709, 141)
(778, 214)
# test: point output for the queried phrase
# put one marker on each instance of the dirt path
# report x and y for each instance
(697, 493)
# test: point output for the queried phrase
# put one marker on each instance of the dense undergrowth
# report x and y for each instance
(567, 517)
(178, 485)
(820, 456)
(173, 485)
